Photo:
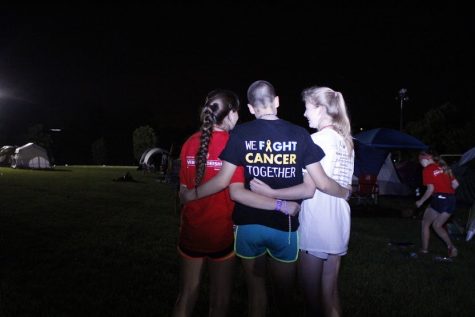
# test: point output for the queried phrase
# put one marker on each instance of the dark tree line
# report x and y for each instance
(446, 129)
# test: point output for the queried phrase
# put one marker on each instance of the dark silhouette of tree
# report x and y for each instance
(37, 134)
(443, 129)
(99, 151)
(143, 138)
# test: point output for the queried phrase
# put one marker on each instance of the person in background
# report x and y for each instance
(441, 185)
(276, 151)
(206, 228)
(325, 220)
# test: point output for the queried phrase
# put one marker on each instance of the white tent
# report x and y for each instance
(30, 155)
(389, 181)
(464, 171)
(467, 156)
(6, 153)
(154, 158)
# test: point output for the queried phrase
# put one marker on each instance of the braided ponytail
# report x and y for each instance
(209, 119)
(217, 106)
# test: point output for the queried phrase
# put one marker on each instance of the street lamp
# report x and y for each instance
(402, 95)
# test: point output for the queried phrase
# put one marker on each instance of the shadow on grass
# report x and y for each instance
(53, 169)
(376, 211)
(388, 206)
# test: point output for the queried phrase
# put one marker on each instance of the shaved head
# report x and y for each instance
(261, 93)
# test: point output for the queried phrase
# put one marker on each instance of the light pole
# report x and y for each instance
(402, 95)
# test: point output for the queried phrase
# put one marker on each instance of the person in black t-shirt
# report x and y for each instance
(275, 151)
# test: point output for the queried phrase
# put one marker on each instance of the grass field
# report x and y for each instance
(73, 242)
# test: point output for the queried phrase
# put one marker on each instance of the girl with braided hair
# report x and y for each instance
(274, 151)
(206, 228)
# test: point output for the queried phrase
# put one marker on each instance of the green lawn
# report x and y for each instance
(73, 242)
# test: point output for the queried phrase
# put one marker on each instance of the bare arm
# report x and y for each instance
(244, 196)
(326, 184)
(300, 191)
(214, 185)
(427, 194)
(455, 183)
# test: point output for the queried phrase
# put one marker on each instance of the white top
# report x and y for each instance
(324, 219)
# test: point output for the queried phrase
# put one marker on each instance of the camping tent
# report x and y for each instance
(154, 158)
(467, 156)
(373, 146)
(372, 156)
(30, 155)
(464, 171)
(6, 153)
(391, 139)
(368, 159)
(389, 181)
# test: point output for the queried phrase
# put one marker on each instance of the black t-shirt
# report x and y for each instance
(275, 151)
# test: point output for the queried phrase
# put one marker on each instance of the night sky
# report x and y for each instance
(104, 70)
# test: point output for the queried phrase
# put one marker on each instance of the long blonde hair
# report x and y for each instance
(336, 108)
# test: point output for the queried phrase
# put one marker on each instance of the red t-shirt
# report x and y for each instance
(434, 174)
(206, 224)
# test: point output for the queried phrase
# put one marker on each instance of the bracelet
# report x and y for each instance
(281, 205)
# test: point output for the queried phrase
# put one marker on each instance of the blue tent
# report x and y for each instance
(373, 146)
(368, 160)
(383, 138)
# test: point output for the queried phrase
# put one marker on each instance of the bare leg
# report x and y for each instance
(427, 220)
(255, 272)
(439, 221)
(221, 278)
(283, 284)
(310, 270)
(191, 271)
(331, 299)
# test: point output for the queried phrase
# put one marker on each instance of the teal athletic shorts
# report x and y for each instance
(252, 241)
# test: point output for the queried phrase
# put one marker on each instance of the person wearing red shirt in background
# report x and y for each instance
(206, 227)
(441, 185)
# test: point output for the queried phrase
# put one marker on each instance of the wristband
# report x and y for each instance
(281, 205)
